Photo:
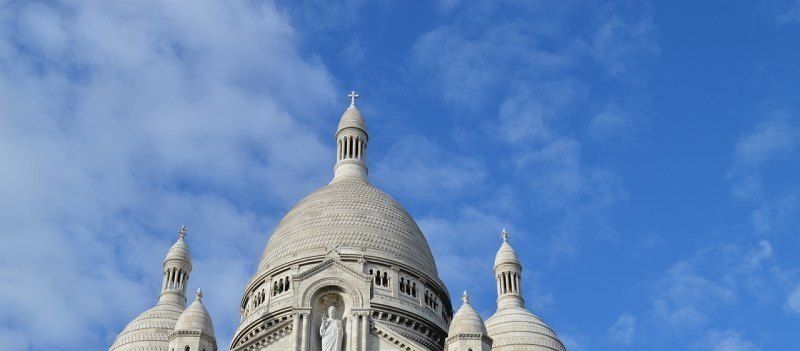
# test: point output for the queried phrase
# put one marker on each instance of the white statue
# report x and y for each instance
(331, 331)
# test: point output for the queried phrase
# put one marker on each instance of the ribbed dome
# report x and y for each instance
(506, 254)
(149, 329)
(195, 318)
(467, 321)
(517, 329)
(179, 251)
(355, 217)
(352, 119)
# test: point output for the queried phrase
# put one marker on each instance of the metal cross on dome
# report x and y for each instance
(353, 96)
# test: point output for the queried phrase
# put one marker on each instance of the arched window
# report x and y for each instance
(187, 348)
(385, 280)
(402, 285)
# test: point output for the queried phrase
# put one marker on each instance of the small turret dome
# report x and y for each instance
(506, 253)
(179, 250)
(195, 318)
(466, 321)
(351, 118)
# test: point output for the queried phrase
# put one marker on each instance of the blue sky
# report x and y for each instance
(645, 156)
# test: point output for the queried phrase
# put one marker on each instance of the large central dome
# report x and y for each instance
(350, 252)
(355, 218)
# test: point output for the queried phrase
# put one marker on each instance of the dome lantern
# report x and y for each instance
(508, 273)
(177, 267)
(351, 143)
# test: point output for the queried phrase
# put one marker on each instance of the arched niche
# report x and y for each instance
(322, 297)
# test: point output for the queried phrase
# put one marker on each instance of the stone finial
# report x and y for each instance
(465, 298)
(182, 232)
(199, 295)
(353, 96)
(504, 235)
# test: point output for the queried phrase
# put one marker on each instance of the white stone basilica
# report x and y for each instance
(346, 269)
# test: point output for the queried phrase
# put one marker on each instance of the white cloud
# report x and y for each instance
(120, 121)
(793, 300)
(467, 230)
(469, 58)
(699, 294)
(620, 45)
(416, 166)
(623, 330)
(611, 125)
(684, 297)
(770, 140)
(728, 340)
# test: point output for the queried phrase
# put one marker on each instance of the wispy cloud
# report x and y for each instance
(793, 300)
(728, 340)
(686, 297)
(417, 167)
(770, 140)
(692, 296)
(623, 330)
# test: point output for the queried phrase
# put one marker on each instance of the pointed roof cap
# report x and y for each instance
(196, 318)
(179, 250)
(466, 320)
(506, 253)
(351, 118)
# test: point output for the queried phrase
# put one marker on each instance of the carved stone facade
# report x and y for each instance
(352, 247)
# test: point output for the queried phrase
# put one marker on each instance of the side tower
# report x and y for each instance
(508, 274)
(467, 332)
(177, 267)
(151, 329)
(512, 327)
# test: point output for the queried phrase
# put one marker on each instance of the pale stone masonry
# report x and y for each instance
(352, 247)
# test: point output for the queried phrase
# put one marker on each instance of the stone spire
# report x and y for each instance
(508, 273)
(351, 144)
(177, 267)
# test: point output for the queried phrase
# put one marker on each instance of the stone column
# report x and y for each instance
(296, 332)
(394, 282)
(351, 344)
(304, 336)
(364, 330)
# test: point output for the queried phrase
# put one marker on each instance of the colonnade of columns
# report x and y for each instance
(351, 147)
(174, 279)
(508, 282)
